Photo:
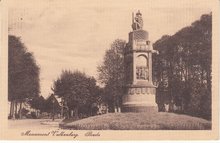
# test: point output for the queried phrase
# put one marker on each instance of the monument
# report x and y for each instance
(140, 92)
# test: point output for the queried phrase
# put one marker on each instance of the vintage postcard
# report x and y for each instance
(109, 70)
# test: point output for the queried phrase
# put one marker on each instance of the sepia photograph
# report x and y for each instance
(105, 66)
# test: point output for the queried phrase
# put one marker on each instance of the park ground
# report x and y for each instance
(34, 124)
(138, 121)
(118, 121)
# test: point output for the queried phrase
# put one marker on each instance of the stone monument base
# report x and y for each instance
(142, 102)
(140, 109)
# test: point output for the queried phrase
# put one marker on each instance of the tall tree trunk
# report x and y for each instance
(114, 104)
(16, 112)
(202, 77)
(208, 77)
(77, 112)
(10, 113)
(12, 109)
(70, 113)
(20, 109)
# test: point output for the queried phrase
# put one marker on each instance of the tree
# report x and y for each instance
(38, 103)
(23, 74)
(112, 74)
(184, 63)
(78, 91)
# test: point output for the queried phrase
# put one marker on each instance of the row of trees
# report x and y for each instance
(23, 75)
(183, 68)
(79, 92)
(81, 95)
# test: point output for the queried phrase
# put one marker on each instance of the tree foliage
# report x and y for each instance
(183, 68)
(23, 73)
(111, 73)
(78, 90)
(38, 103)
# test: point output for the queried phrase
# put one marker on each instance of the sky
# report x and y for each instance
(74, 35)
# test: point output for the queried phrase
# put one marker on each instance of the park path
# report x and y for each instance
(34, 124)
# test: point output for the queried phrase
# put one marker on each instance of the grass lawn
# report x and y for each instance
(139, 121)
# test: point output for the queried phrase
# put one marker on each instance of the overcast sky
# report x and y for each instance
(72, 34)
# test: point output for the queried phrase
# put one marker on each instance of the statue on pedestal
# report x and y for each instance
(137, 21)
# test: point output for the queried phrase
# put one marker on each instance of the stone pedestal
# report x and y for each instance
(139, 99)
